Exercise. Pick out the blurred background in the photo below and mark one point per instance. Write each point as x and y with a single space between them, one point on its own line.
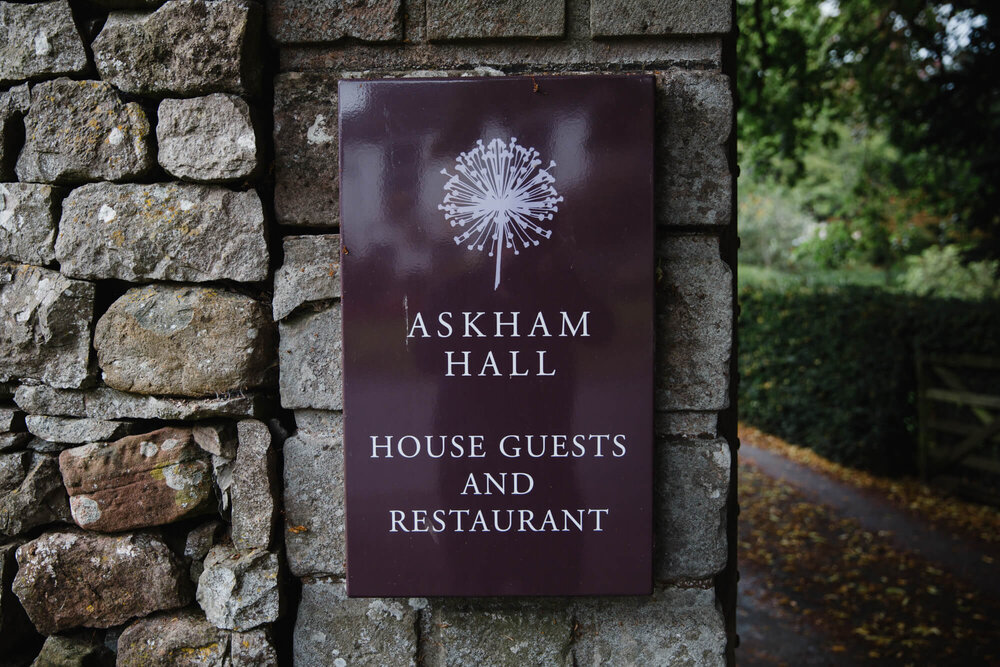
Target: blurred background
869 277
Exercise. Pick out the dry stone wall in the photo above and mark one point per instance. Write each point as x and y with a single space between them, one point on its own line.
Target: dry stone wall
171 404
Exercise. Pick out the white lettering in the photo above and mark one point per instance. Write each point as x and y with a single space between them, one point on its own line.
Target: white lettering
490 363
470 326
580 324
512 324
416 446
503 447
458 514
597 526
446 323
376 446
540 324
496 521
464 364
518 489
480 520
418 322
541 365
513 365
527 516
619 441
471 482
567 517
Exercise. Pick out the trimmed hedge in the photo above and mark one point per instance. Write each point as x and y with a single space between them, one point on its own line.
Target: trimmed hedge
834 368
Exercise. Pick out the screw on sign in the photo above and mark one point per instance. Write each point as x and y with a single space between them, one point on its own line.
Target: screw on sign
501 194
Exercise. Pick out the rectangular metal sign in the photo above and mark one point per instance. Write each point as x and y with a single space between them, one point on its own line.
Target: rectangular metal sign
498 335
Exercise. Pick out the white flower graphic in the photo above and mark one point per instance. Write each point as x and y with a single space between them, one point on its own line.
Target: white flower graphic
498 196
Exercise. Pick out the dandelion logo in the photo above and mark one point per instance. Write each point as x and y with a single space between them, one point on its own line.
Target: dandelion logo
498 196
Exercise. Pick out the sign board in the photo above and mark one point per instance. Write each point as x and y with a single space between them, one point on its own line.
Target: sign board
498 335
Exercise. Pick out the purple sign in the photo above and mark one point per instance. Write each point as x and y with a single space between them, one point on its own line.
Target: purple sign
498 335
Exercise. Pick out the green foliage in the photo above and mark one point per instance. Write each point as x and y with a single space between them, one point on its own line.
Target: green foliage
919 74
770 225
851 188
774 279
782 80
839 244
833 368
832 246
940 271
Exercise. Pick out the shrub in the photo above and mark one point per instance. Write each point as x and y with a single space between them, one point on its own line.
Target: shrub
940 271
771 224
834 368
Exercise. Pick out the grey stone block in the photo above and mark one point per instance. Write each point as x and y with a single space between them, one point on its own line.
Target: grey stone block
11 419
252 649
504 633
39 399
542 55
693 123
311 359
80 131
219 438
80 651
687 425
314 494
14 623
185 341
75 578
107 403
45 321
318 21
46 447
31 492
255 487
672 627
170 231
179 638
197 544
691 491
28 221
184 48
39 40
694 325
9 441
311 272
239 590
320 424
476 19
77 431
199 540
14 103
13 468
128 4
332 629
184 638
208 139
306 183
618 18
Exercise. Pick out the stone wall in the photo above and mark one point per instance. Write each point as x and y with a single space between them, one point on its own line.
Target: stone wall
171 425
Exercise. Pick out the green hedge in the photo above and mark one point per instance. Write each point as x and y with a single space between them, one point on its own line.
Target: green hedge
833 368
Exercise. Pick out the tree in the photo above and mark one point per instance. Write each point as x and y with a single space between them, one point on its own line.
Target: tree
922 72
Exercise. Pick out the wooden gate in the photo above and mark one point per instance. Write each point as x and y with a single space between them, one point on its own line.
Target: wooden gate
958 403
